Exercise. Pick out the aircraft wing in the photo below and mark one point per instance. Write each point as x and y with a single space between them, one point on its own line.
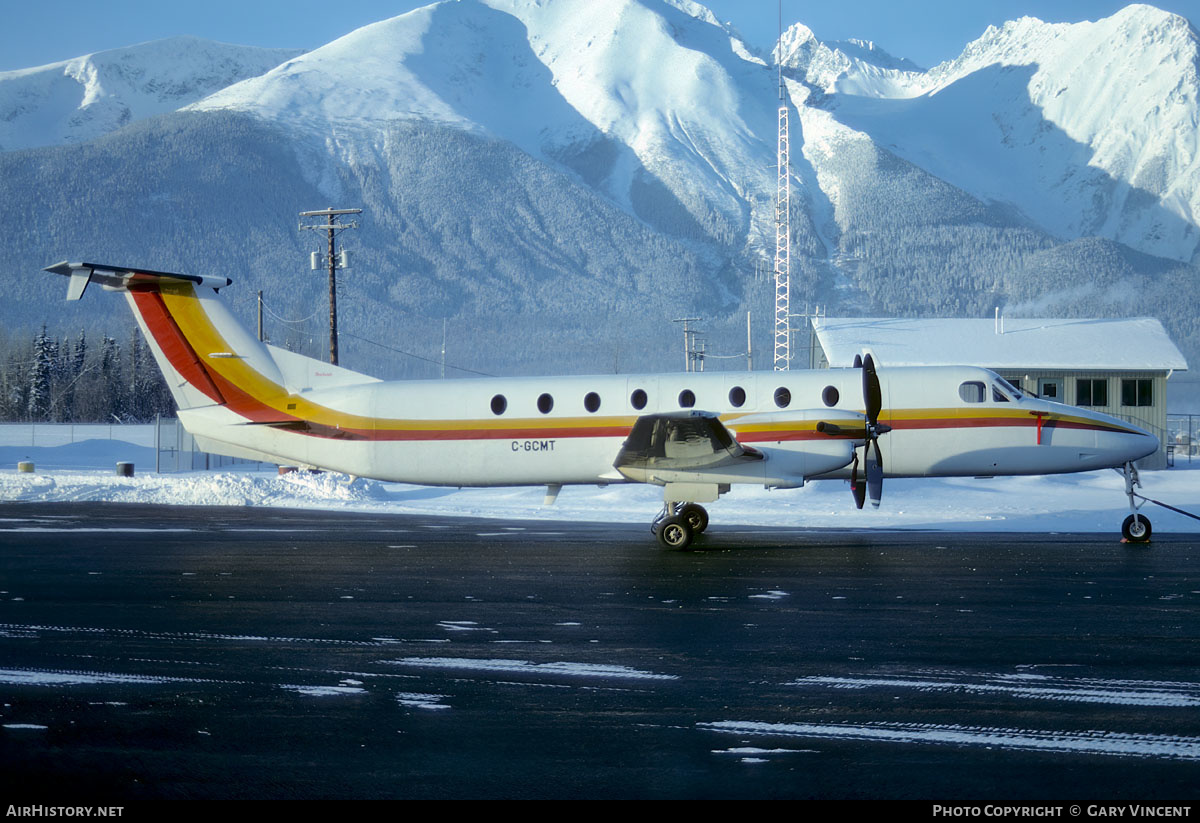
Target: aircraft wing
696 457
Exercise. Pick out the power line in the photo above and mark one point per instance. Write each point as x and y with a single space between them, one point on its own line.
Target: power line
267 309
417 356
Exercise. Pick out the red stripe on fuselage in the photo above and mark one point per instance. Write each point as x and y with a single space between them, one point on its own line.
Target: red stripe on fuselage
803 434
474 434
411 435
248 406
998 422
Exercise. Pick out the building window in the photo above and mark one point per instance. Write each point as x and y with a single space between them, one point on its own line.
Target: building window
1091 392
1137 391
1051 388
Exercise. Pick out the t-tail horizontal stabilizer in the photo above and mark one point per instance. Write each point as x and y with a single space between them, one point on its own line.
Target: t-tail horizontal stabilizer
121 277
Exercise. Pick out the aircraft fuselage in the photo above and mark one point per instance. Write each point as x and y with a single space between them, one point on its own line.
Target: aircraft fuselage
568 430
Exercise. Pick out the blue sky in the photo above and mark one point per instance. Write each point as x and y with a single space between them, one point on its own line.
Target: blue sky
925 31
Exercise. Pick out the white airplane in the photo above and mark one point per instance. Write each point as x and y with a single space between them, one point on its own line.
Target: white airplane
694 434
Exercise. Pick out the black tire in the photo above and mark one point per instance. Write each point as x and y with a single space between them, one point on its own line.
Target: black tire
675 533
1136 530
696 517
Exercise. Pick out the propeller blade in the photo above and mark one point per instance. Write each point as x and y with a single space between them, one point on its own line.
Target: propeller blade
858 361
857 489
872 394
874 473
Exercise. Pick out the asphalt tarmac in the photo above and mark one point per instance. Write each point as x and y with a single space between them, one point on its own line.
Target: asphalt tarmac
158 652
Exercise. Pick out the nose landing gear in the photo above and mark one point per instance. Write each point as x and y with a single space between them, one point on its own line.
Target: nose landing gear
1136 528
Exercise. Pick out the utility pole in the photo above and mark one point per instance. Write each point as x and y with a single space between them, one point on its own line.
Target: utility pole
332 227
749 346
689 336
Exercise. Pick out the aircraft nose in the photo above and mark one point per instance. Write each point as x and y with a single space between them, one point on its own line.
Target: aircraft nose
1144 444
1136 442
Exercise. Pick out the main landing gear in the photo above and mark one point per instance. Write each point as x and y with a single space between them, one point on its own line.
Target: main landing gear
1136 528
677 523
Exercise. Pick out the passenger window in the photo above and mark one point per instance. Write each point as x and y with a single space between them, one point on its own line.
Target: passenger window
591 401
545 403
783 397
830 396
972 391
737 397
687 399
638 399
499 404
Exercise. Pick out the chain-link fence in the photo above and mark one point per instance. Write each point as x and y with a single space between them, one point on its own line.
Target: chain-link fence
164 443
1182 433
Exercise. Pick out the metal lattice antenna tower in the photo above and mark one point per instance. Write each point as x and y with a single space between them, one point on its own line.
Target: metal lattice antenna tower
783 196
783 280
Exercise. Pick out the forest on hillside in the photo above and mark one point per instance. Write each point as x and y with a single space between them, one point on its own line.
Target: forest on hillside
51 380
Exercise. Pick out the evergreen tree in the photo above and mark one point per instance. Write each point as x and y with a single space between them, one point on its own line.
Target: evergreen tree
148 394
38 398
114 399
71 371
12 389
79 356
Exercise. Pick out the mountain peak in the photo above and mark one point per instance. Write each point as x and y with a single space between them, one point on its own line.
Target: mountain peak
846 66
1088 128
88 96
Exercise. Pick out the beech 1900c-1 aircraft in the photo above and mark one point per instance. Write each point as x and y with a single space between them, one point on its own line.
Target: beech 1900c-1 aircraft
693 434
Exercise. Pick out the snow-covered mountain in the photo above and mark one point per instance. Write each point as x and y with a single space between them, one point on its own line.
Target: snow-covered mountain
850 67
526 162
1087 129
1082 130
86 97
646 101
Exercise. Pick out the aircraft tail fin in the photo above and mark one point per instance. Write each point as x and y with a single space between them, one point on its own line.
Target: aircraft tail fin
207 357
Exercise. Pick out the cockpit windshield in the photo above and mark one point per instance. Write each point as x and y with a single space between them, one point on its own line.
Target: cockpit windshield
976 391
1011 390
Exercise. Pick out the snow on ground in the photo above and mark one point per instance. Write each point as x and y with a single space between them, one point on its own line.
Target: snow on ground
1089 502
527 667
1090 741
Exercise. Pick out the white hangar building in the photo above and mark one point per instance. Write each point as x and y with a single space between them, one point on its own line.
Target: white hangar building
1119 367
